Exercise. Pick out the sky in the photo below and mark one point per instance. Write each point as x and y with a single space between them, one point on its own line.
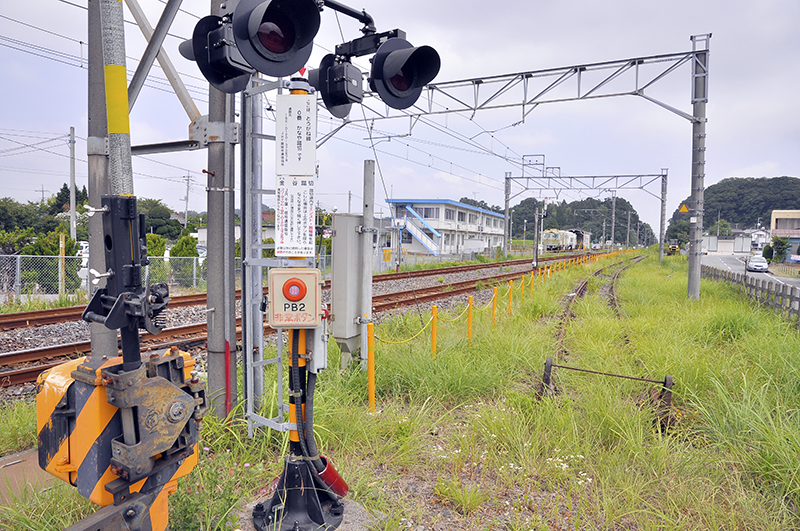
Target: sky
753 111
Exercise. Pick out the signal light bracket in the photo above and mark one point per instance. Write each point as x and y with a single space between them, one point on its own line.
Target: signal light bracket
368 44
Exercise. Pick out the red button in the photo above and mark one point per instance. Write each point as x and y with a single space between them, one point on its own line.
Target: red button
294 289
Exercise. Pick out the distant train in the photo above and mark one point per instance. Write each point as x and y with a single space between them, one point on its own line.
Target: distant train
566 240
559 240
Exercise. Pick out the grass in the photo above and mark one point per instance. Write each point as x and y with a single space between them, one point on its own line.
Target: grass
33 302
463 441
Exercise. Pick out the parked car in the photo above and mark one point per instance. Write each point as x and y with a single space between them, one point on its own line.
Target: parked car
758 263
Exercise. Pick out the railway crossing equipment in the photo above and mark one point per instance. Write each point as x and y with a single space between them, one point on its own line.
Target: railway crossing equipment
275 37
123 429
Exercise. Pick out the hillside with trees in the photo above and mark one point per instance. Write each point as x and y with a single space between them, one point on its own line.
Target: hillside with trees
739 202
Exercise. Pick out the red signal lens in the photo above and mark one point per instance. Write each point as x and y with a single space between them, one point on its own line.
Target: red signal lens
276 32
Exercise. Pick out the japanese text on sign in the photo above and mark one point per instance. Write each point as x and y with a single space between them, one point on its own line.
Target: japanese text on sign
296 134
294 217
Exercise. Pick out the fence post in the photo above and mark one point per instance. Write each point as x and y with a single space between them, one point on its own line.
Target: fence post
469 320
371 366
18 279
433 331
194 272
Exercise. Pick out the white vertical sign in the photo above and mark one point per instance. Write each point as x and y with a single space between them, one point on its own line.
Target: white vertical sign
296 163
296 134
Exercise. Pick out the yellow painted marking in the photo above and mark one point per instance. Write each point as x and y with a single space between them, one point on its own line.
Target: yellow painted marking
117 100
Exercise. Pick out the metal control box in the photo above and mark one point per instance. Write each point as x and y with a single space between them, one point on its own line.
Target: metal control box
295 298
347 245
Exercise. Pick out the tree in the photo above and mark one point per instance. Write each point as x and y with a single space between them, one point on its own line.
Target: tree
155 245
45 274
767 252
724 229
481 204
13 241
679 230
157 219
779 246
182 268
60 202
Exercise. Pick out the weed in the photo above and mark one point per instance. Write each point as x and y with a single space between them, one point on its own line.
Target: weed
464 498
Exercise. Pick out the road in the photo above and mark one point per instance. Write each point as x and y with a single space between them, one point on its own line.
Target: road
735 264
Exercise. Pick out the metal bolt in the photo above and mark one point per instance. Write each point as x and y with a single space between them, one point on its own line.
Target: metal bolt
131 513
130 383
176 411
139 469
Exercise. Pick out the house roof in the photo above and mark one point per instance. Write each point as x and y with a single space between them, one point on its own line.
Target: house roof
443 202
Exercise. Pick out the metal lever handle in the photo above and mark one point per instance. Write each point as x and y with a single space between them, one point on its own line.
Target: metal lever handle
97 275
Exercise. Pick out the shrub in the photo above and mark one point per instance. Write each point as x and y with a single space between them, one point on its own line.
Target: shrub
182 269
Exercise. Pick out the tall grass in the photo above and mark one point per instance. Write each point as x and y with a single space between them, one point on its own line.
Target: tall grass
463 440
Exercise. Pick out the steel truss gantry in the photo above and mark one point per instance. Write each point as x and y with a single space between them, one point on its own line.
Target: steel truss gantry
598 183
527 90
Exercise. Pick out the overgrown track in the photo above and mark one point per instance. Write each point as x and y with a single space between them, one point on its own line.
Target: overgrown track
10 321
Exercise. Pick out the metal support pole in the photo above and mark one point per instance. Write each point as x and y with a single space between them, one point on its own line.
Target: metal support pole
366 256
536 238
116 89
628 232
663 229
699 100
104 340
221 391
72 220
506 223
613 216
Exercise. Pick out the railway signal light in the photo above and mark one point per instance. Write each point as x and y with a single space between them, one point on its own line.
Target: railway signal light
400 71
274 37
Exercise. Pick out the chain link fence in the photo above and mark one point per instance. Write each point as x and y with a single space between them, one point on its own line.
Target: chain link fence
25 277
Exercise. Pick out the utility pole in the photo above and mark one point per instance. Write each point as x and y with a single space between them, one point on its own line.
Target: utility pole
186 203
43 191
628 232
613 215
72 220
349 200
699 100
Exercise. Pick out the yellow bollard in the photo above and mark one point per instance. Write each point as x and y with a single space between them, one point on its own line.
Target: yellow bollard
510 294
469 320
371 366
522 289
433 332
531 284
494 306
539 276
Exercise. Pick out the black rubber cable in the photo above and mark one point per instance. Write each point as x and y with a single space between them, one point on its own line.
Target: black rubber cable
309 422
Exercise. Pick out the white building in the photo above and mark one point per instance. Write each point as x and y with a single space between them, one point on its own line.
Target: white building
442 226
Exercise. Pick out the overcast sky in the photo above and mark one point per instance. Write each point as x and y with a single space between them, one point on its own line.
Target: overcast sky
753 111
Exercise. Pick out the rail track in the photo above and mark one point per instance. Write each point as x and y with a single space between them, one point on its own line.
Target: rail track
24 366
15 320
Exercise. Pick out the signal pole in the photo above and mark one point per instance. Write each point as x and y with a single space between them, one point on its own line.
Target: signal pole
221 317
